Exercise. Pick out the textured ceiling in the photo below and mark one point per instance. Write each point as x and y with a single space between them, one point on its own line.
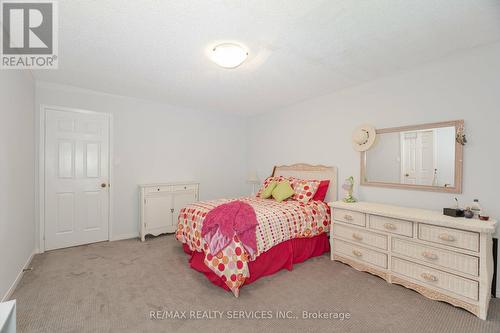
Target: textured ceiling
298 49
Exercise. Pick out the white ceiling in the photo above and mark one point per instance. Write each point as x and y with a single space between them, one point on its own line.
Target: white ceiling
156 49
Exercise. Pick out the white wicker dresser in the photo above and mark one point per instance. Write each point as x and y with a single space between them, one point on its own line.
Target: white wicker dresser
443 258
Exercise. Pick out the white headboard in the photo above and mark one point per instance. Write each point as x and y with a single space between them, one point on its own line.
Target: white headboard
307 171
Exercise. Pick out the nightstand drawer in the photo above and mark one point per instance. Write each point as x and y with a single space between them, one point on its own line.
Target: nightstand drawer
157 189
348 216
360 253
360 236
436 278
394 226
453 237
184 187
447 259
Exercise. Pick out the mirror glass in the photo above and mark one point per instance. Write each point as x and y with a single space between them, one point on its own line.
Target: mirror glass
414 156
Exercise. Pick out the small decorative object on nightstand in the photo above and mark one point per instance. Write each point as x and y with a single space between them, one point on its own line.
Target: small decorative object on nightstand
455 211
484 217
476 208
468 213
348 188
161 203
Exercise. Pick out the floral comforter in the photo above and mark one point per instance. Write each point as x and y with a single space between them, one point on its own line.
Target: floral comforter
277 222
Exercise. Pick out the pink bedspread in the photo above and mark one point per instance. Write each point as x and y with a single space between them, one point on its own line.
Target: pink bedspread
276 223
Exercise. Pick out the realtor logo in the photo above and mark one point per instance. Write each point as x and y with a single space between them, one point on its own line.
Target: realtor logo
29 37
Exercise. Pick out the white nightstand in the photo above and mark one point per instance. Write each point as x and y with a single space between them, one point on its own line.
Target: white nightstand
161 203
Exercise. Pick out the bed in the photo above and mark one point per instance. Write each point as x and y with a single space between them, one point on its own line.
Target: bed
287 233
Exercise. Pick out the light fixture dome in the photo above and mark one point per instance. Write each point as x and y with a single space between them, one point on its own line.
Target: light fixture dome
229 55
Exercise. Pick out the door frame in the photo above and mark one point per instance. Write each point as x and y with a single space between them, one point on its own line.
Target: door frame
41 169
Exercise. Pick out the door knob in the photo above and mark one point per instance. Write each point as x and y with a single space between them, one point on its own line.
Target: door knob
103 185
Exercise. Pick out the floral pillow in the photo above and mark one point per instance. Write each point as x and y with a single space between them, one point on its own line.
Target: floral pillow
304 189
267 182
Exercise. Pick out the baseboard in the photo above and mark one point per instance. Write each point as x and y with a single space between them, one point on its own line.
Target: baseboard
124 236
19 277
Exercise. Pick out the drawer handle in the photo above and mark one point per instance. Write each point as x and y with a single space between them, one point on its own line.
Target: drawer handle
429 255
357 253
348 217
429 277
357 237
390 226
446 237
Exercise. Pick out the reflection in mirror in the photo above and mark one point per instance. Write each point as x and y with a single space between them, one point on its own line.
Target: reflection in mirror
425 157
415 156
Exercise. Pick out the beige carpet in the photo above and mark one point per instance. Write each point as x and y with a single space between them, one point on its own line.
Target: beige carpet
112 287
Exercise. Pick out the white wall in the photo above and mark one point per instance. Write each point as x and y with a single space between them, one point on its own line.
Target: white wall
160 143
465 86
17 170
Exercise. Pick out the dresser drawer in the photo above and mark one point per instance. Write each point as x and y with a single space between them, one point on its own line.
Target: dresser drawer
184 187
453 237
360 236
360 253
157 189
395 226
446 259
436 278
348 216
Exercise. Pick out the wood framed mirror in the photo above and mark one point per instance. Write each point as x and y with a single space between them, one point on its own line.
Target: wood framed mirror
425 157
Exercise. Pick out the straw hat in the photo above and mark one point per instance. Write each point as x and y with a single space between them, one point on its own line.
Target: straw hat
363 137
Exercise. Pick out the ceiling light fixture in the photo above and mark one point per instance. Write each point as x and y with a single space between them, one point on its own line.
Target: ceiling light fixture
229 55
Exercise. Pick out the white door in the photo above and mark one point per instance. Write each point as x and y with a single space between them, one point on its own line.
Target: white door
76 178
409 158
417 166
426 157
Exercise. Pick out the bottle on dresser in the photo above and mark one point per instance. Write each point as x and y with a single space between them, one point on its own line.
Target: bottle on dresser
476 208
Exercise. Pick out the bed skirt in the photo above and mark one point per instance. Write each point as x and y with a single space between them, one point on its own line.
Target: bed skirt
281 256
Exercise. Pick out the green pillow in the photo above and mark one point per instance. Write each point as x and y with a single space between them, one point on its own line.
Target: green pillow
268 191
283 191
